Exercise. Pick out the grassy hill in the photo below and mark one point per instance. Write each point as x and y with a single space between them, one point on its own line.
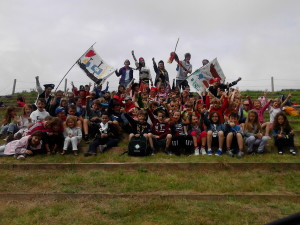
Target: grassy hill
161 189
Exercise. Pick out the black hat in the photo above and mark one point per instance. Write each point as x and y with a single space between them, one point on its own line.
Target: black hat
81 88
49 86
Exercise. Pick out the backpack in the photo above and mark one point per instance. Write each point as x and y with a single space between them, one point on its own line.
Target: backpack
138 146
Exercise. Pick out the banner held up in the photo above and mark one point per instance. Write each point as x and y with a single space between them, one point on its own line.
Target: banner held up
94 66
202 77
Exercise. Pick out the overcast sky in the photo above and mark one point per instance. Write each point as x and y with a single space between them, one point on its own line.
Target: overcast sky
252 39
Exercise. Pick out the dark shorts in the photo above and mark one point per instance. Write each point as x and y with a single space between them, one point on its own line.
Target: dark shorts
159 143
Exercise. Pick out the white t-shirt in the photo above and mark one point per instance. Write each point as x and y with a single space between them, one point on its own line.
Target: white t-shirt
273 112
38 116
127 75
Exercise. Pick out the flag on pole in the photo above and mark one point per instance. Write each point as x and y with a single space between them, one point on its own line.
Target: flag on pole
94 66
202 77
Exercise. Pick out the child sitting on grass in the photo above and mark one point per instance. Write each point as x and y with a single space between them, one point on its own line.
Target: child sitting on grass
25 146
107 136
140 127
10 122
53 137
196 130
181 141
234 137
90 125
40 113
72 134
257 106
161 132
25 120
253 133
215 134
283 134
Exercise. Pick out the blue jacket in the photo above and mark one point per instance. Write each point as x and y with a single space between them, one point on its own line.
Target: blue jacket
122 73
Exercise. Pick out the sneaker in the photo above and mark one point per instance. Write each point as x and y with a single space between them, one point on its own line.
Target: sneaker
86 138
196 151
219 152
101 148
209 152
21 157
230 153
203 152
240 154
152 151
292 151
280 152
89 154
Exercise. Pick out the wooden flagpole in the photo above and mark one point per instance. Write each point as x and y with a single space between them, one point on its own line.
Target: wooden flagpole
73 66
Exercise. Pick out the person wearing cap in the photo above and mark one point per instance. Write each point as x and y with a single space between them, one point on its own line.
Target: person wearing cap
60 113
144 72
126 73
182 71
162 75
45 94
243 112
218 85
82 92
129 105
205 61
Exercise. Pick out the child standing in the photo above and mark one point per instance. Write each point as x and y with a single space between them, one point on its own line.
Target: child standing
72 134
283 134
253 134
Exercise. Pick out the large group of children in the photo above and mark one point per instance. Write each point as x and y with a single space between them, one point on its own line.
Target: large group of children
169 117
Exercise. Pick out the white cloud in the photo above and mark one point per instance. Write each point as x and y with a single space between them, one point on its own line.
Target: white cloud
252 39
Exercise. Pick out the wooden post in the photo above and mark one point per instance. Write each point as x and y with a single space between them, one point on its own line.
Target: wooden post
272 84
14 86
66 83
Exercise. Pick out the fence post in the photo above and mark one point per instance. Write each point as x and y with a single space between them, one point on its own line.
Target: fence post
272 84
66 83
14 86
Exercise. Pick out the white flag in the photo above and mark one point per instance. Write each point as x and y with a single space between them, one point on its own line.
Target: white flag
202 77
94 66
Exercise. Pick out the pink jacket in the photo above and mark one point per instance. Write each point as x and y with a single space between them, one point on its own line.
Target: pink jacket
260 111
19 146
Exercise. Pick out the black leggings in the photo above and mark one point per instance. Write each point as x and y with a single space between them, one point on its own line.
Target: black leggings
287 141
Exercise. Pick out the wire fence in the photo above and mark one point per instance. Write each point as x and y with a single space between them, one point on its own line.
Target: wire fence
245 84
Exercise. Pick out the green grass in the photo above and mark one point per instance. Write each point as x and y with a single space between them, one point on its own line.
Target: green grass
141 181
160 157
155 210
144 211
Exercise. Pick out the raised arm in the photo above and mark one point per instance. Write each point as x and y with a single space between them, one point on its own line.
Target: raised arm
38 85
286 100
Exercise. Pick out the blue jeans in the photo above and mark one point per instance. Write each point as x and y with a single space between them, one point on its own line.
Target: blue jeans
11 128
